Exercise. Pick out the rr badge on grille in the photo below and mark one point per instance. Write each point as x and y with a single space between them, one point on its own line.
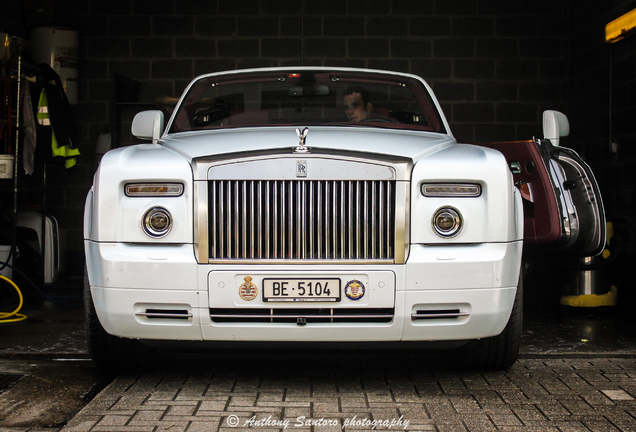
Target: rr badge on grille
301 168
354 290
248 291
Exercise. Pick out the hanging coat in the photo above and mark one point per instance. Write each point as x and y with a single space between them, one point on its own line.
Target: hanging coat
30 134
55 110
44 119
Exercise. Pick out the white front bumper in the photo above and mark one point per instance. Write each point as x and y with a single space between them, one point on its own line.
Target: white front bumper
479 281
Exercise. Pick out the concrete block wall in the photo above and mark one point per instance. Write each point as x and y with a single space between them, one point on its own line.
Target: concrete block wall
494 65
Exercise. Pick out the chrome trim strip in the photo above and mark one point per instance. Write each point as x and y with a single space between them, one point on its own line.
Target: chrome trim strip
383 223
300 316
417 316
402 216
166 315
267 261
201 238
395 168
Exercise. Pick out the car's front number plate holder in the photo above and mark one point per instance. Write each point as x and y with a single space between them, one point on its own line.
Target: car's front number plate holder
301 289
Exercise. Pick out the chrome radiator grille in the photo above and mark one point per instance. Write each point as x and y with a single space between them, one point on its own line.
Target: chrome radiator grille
301 220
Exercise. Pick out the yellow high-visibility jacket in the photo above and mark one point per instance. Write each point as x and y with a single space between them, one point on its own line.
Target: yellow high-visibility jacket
58 151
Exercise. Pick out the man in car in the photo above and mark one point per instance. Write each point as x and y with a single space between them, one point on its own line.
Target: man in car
356 104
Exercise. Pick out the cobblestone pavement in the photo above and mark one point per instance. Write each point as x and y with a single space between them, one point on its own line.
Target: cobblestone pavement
350 391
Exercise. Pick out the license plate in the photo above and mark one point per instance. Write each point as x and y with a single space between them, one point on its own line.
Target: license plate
301 289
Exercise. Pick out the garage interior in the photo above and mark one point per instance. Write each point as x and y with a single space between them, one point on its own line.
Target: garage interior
495 66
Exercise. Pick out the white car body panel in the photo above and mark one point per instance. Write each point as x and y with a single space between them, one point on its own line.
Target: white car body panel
475 272
480 280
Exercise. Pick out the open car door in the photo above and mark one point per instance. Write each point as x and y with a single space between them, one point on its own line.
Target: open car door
563 208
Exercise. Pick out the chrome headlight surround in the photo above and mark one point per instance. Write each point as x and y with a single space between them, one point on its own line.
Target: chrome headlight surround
447 222
157 222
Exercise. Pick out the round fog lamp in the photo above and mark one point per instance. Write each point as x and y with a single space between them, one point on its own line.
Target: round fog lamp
447 222
157 222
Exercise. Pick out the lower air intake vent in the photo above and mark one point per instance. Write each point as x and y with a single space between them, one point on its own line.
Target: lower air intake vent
437 314
302 316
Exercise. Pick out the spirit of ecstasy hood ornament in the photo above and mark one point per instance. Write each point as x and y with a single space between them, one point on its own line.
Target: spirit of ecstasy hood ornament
302 135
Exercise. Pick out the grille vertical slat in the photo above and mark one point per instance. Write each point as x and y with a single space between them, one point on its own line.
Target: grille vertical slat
220 216
291 238
319 206
267 213
311 220
358 218
343 227
244 220
298 215
303 231
283 220
301 220
374 224
252 219
351 210
382 223
228 203
213 222
275 217
334 219
389 217
260 219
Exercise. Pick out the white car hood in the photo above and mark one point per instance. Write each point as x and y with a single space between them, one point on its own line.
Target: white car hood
402 143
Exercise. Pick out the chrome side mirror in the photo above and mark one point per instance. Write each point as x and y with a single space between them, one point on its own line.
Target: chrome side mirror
555 126
148 125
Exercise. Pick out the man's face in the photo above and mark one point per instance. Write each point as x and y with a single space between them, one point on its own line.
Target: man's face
355 109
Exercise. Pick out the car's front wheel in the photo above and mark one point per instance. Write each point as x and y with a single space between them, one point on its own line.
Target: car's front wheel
502 351
108 351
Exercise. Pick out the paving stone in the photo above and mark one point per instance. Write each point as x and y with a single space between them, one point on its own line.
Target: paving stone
147 415
552 395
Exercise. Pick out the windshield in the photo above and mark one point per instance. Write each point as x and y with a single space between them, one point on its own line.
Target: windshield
276 98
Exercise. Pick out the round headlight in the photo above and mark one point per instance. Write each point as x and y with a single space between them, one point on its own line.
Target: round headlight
157 222
447 222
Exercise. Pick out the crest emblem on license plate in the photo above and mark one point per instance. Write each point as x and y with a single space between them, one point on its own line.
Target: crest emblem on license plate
354 290
248 291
